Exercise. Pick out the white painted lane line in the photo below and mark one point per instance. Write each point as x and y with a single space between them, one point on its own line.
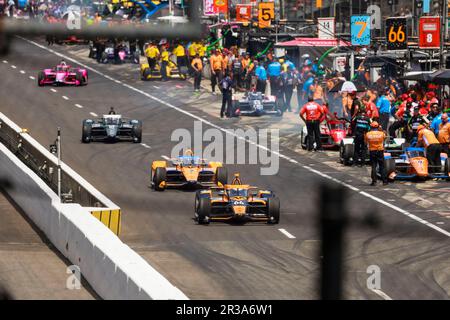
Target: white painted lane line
406 213
78 106
165 157
32 78
53 90
4 61
22 72
287 234
65 97
14 67
232 133
93 114
381 294
155 87
145 146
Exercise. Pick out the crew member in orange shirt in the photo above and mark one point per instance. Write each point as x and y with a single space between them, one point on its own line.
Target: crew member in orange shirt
225 60
375 141
444 133
197 65
427 139
216 69
314 114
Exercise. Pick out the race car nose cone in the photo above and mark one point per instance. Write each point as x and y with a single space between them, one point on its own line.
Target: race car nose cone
60 77
111 131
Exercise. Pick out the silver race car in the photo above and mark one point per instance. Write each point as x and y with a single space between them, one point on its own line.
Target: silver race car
256 104
111 128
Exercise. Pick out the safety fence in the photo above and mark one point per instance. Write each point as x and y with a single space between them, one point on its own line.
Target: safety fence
111 267
74 189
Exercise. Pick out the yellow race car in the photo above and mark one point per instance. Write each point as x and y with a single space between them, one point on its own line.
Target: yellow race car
187 171
236 202
172 71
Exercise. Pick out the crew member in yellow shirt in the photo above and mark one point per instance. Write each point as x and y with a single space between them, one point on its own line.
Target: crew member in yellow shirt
180 53
202 49
192 49
164 62
152 54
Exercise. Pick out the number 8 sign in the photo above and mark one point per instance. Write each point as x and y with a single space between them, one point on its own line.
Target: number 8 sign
430 32
360 30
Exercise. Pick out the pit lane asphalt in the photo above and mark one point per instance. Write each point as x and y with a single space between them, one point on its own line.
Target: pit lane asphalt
220 261
30 266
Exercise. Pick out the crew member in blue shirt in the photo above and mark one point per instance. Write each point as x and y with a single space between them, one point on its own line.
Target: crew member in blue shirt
274 72
384 109
261 78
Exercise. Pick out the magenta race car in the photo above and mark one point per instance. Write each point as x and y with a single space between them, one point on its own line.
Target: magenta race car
63 74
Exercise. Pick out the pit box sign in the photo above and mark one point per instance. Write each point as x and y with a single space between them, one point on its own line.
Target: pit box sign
243 12
396 34
360 30
214 7
429 32
208 8
326 28
221 6
266 13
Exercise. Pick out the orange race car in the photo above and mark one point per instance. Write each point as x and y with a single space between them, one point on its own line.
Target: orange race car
413 165
187 171
236 202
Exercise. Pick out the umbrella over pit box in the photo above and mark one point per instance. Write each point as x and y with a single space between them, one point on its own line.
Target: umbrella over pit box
347 86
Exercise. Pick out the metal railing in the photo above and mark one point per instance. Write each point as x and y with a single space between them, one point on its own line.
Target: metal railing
46 168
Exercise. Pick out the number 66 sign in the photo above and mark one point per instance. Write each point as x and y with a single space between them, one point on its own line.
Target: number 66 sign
360 30
430 32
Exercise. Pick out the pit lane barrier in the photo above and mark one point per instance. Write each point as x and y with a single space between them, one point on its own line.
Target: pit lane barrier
111 267
74 189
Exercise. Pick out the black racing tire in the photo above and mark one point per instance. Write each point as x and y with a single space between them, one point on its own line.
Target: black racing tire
304 145
41 77
234 107
85 78
137 132
104 58
273 210
136 58
79 78
280 112
159 176
203 210
341 153
347 153
146 74
86 133
389 166
447 167
222 175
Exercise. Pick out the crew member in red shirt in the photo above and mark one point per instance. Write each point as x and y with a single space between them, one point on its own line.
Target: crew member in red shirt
371 108
314 113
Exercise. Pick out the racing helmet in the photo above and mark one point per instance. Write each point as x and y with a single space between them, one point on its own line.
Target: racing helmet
305 56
